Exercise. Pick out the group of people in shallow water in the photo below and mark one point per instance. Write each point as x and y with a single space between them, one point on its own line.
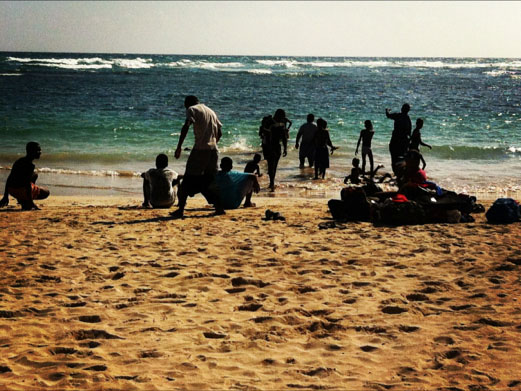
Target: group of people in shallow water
224 188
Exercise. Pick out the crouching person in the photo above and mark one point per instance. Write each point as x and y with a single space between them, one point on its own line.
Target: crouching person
159 184
21 182
233 186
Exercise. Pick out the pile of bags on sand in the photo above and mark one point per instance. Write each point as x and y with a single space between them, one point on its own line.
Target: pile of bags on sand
419 205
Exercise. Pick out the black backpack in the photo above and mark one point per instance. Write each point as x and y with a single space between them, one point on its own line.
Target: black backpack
504 211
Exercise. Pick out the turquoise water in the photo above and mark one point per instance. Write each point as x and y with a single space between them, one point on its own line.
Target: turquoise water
107 115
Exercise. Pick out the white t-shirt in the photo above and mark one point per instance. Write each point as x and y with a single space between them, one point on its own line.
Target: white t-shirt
161 191
206 126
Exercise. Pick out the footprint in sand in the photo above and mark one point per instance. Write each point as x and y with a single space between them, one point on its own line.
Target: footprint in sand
408 329
393 310
368 348
90 319
98 368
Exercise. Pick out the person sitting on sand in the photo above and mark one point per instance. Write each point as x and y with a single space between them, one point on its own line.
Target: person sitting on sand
354 177
366 135
322 142
21 182
307 147
252 167
233 186
158 184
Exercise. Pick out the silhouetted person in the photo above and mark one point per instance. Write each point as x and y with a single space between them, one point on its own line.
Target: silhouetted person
233 186
21 182
416 137
366 136
252 167
356 171
399 143
322 142
158 184
201 165
265 134
278 132
307 147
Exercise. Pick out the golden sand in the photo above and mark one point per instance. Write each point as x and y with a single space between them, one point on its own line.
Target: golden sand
102 296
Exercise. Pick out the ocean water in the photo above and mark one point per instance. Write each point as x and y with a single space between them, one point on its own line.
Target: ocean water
102 118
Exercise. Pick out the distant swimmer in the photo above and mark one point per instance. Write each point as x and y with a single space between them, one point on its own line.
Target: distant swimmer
201 165
366 136
399 143
306 147
21 182
159 184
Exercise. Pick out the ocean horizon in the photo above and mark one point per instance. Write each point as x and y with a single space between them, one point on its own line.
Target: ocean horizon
102 118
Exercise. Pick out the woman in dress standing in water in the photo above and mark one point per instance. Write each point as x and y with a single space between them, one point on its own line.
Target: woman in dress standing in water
278 131
322 142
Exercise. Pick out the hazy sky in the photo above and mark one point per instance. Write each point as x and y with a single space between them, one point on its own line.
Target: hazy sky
391 28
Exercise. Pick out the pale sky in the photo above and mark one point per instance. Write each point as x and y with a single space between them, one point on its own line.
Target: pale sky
313 28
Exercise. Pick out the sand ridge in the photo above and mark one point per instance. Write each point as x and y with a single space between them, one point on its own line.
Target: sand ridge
102 296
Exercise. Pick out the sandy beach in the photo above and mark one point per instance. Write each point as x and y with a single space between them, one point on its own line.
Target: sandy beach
98 295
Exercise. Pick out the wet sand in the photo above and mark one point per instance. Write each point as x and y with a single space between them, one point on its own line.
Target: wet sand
100 295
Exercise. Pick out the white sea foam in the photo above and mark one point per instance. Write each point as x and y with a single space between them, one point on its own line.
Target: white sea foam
392 64
241 145
136 63
284 63
203 64
260 71
10 74
111 173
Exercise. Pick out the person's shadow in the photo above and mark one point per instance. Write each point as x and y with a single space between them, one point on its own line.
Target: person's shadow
158 219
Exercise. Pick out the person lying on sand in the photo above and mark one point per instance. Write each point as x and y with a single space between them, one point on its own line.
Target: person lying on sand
21 182
158 184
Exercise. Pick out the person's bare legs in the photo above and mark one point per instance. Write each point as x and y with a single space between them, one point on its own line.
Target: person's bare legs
146 194
371 162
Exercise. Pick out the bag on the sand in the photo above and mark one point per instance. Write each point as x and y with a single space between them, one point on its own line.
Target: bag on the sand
503 211
354 205
402 213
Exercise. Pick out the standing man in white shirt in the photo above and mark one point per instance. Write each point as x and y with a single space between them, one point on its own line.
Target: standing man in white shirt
201 165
